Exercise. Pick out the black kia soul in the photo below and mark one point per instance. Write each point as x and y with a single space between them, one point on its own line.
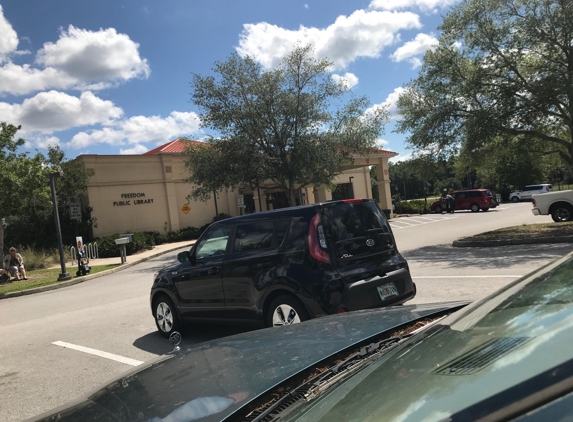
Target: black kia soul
285 266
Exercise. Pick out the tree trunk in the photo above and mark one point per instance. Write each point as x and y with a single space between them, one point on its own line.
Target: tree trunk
1 242
291 195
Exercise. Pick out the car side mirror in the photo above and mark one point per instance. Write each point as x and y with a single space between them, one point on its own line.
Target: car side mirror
183 256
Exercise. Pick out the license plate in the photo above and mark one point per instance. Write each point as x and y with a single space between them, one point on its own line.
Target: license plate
387 290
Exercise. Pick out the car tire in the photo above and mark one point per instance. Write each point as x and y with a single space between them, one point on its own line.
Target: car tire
562 213
485 209
165 315
438 209
515 199
286 310
474 207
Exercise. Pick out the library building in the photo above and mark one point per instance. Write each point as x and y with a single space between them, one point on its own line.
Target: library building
134 193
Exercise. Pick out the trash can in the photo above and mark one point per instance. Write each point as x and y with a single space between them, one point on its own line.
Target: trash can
387 214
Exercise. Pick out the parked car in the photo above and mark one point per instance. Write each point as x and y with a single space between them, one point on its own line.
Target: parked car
530 190
285 266
507 357
557 204
470 199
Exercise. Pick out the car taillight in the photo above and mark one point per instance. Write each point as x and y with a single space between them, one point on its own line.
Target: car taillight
346 201
533 202
316 240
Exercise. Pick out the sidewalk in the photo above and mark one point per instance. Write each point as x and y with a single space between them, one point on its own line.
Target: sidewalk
131 261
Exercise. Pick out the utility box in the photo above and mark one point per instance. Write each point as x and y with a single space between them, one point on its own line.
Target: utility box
128 236
123 240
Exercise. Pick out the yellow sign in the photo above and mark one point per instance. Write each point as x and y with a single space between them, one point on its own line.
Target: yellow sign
186 208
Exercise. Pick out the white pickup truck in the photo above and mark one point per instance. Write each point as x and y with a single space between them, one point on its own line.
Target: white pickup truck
558 204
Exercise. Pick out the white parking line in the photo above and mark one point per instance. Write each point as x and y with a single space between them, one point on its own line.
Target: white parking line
99 353
395 225
469 276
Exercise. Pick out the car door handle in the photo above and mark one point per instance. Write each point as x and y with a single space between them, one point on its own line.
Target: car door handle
213 271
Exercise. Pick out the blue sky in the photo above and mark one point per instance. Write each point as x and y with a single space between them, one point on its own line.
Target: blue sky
113 77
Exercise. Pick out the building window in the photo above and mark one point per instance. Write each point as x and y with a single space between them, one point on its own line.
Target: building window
342 191
167 169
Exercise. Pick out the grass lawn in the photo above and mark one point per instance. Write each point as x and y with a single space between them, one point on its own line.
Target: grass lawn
526 231
40 278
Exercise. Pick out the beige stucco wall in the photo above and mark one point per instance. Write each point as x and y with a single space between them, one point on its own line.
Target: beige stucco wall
130 193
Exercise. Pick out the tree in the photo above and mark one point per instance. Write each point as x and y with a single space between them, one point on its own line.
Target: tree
502 69
25 198
280 124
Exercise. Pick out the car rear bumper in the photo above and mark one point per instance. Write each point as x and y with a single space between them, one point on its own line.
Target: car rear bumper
536 211
364 294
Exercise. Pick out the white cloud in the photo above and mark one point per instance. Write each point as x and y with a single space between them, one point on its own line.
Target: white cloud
400 158
52 111
361 34
90 56
417 46
390 103
80 59
8 37
137 150
424 5
45 142
306 6
348 79
139 129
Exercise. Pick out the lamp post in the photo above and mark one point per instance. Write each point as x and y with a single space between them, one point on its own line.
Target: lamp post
351 186
64 275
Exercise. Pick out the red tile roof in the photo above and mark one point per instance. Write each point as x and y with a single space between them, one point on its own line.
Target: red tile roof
178 146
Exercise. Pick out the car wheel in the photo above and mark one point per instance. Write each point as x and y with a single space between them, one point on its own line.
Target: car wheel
562 213
165 315
474 207
285 310
515 199
438 209
485 209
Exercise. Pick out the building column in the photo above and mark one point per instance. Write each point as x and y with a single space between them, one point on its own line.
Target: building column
170 193
367 182
322 194
384 184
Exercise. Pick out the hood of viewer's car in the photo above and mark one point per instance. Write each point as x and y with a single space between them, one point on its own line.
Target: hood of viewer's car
212 380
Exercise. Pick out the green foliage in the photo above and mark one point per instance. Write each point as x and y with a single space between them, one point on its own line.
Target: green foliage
280 125
25 195
37 259
416 206
502 70
145 240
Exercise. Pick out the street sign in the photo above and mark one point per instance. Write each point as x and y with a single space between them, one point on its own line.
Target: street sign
186 208
76 211
241 200
303 194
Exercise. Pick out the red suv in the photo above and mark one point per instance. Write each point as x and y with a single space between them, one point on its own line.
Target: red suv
471 199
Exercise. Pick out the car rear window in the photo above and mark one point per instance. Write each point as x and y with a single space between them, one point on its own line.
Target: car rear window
488 193
356 228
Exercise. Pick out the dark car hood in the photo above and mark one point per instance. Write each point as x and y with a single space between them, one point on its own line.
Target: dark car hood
212 380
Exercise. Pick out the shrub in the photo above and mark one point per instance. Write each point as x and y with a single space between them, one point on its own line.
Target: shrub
39 259
411 207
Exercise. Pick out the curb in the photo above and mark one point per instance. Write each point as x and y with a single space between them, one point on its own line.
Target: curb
79 280
532 241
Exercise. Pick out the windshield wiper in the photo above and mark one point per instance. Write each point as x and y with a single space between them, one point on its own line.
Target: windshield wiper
319 384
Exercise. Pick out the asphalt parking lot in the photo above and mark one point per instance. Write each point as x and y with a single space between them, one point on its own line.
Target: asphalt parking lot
59 345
